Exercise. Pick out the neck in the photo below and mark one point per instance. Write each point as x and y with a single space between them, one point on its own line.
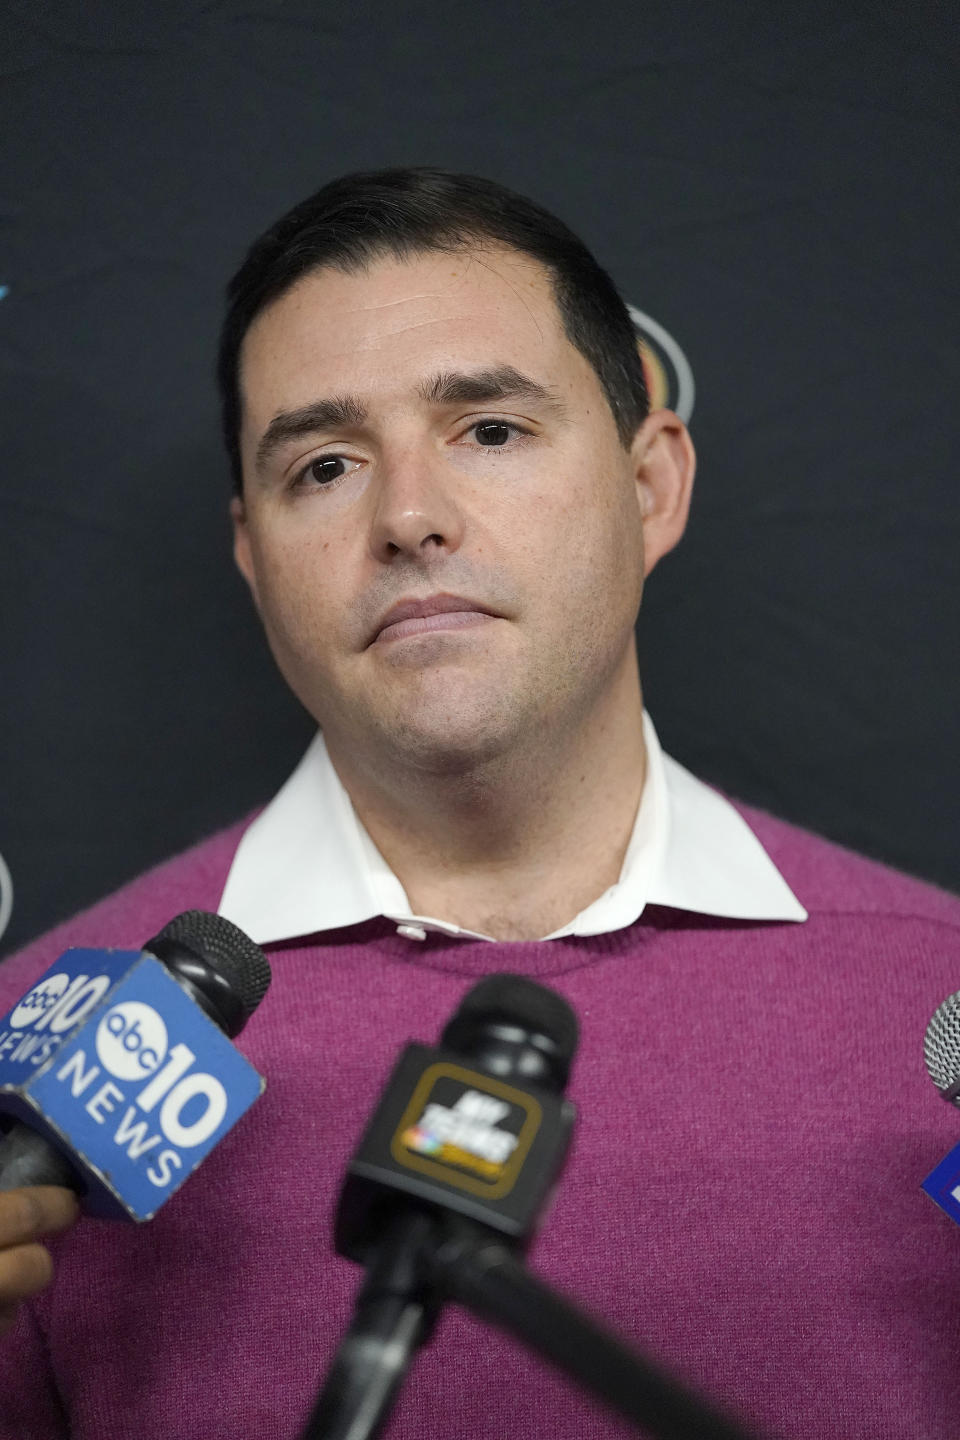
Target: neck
517 845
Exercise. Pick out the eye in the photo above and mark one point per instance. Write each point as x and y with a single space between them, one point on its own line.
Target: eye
495 432
325 471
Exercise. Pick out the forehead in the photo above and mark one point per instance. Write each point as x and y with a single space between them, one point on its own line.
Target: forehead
381 331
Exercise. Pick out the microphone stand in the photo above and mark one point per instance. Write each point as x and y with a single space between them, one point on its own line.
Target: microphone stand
479 1271
427 1259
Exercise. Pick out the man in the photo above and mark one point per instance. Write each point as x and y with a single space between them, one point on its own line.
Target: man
449 496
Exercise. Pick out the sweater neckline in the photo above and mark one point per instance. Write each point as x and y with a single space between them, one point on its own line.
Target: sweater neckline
474 958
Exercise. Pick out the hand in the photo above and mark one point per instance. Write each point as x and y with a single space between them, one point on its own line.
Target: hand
26 1267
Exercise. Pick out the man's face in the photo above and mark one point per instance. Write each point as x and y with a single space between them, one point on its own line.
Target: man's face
423 435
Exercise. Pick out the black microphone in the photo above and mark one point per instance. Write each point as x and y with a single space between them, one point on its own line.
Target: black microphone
476 1126
445 1190
95 1033
474 1129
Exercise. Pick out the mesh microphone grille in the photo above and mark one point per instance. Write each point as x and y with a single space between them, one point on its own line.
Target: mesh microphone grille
941 1045
227 947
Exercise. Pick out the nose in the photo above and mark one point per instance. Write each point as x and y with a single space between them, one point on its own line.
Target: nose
416 511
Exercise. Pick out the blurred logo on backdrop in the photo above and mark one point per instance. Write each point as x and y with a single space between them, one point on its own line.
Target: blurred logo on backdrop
667 369
6 896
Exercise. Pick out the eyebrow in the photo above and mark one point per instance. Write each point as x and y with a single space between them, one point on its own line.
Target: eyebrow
450 387
499 382
338 413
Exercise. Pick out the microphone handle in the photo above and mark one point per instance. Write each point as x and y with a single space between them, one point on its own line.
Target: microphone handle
26 1158
393 1316
479 1272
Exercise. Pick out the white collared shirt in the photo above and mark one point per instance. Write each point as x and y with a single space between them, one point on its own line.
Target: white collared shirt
307 864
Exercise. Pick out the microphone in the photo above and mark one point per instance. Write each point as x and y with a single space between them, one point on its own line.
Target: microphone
477 1126
941 1048
941 1053
474 1129
446 1188
116 1069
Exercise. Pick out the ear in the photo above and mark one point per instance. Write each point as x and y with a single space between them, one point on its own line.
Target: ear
664 462
242 550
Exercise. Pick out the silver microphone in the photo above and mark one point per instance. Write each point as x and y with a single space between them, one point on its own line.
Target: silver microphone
941 1048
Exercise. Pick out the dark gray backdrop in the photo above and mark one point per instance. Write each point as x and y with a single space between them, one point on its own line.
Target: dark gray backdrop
775 185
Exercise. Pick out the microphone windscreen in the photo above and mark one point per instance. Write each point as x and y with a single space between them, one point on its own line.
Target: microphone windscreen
513 1002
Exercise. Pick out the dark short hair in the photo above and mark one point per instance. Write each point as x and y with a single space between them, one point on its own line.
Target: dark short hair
363 217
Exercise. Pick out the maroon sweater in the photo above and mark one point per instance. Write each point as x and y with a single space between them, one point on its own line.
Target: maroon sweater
743 1201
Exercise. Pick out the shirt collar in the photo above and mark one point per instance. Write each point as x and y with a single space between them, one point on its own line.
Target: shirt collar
307 864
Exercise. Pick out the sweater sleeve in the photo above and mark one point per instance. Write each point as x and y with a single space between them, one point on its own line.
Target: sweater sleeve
30 1404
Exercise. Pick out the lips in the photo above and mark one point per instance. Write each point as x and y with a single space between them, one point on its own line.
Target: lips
393 624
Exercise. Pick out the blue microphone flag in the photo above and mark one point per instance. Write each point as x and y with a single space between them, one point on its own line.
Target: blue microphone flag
943 1184
110 1060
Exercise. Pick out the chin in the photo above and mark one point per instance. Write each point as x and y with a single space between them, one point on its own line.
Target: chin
446 745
